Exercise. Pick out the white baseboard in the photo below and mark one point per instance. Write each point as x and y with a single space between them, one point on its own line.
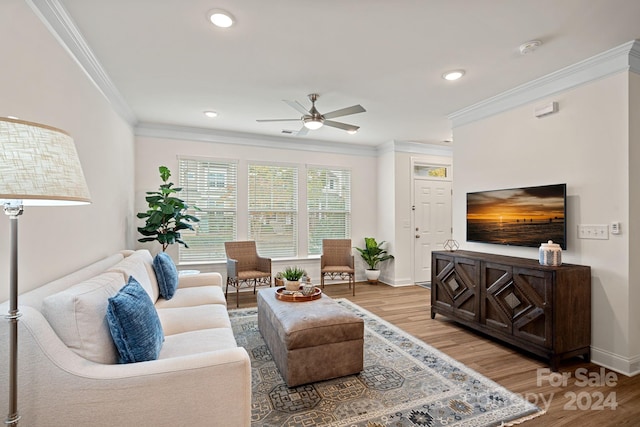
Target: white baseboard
397 282
622 365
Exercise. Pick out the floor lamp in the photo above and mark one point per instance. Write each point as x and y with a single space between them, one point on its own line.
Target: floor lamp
39 166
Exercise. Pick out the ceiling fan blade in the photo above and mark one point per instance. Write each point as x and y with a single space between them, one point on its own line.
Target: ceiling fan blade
296 106
340 125
277 120
303 131
354 109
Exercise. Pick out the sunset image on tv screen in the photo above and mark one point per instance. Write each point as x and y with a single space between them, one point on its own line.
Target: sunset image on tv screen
520 216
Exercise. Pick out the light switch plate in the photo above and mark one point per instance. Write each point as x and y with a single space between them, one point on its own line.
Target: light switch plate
615 227
593 231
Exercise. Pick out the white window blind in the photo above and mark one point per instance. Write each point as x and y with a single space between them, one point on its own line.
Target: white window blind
328 205
211 185
273 209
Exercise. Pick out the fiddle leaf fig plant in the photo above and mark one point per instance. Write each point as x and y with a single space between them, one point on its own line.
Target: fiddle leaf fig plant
372 253
167 214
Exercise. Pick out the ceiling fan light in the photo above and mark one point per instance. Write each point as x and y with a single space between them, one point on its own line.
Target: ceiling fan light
221 18
352 131
313 124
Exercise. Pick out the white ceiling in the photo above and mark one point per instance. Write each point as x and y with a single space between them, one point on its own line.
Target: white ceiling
170 64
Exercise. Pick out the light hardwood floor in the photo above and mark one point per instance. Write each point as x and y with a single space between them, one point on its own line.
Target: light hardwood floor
586 397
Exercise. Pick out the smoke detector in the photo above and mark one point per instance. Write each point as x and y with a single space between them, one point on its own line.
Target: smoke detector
530 46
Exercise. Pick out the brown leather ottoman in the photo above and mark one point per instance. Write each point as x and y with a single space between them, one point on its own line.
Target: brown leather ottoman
310 341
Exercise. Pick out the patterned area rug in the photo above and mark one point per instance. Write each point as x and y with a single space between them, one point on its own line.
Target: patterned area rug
404 383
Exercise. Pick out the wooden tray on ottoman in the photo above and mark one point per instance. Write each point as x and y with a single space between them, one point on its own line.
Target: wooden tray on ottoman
283 295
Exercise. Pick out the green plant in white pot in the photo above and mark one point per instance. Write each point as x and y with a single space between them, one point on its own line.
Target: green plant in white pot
167 214
373 254
292 276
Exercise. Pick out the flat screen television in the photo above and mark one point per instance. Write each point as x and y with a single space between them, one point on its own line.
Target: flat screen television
526 216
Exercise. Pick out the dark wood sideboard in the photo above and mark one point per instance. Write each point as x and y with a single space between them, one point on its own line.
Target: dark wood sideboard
540 309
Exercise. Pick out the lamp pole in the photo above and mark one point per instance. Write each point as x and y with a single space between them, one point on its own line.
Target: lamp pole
13 209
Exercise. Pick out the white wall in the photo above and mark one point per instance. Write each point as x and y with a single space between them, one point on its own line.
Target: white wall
586 145
152 152
403 247
386 226
41 83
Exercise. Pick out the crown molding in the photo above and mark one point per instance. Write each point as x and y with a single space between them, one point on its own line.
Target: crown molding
412 147
59 22
625 57
186 133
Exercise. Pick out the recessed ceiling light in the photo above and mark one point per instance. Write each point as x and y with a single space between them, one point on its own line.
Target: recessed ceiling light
221 18
211 114
453 75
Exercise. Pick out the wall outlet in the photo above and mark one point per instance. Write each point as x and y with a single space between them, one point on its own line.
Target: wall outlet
593 231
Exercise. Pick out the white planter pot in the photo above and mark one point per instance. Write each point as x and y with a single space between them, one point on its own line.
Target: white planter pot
292 285
372 275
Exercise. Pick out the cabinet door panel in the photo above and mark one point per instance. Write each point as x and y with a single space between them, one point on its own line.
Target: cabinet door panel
498 297
516 302
534 321
455 287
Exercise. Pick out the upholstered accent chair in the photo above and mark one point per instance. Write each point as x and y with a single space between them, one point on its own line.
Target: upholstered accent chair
245 266
336 261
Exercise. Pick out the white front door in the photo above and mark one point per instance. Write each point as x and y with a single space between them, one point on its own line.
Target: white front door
432 223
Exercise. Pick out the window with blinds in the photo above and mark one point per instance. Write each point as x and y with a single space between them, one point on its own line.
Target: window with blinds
273 209
328 205
210 185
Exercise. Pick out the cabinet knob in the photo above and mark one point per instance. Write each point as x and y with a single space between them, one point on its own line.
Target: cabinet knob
417 236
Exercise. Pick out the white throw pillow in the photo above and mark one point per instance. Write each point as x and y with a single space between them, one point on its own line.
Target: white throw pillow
140 265
78 316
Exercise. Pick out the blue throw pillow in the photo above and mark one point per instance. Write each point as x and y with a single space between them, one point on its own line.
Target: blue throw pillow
134 324
167 275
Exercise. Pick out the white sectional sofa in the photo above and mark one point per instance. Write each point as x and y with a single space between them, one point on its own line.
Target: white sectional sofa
68 372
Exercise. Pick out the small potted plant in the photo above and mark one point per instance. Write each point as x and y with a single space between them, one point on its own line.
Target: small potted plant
279 278
292 276
373 254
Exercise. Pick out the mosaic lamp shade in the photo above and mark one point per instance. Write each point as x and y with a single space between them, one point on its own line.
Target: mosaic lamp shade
39 165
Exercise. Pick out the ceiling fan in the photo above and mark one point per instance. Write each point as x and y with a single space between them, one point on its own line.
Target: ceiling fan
312 119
